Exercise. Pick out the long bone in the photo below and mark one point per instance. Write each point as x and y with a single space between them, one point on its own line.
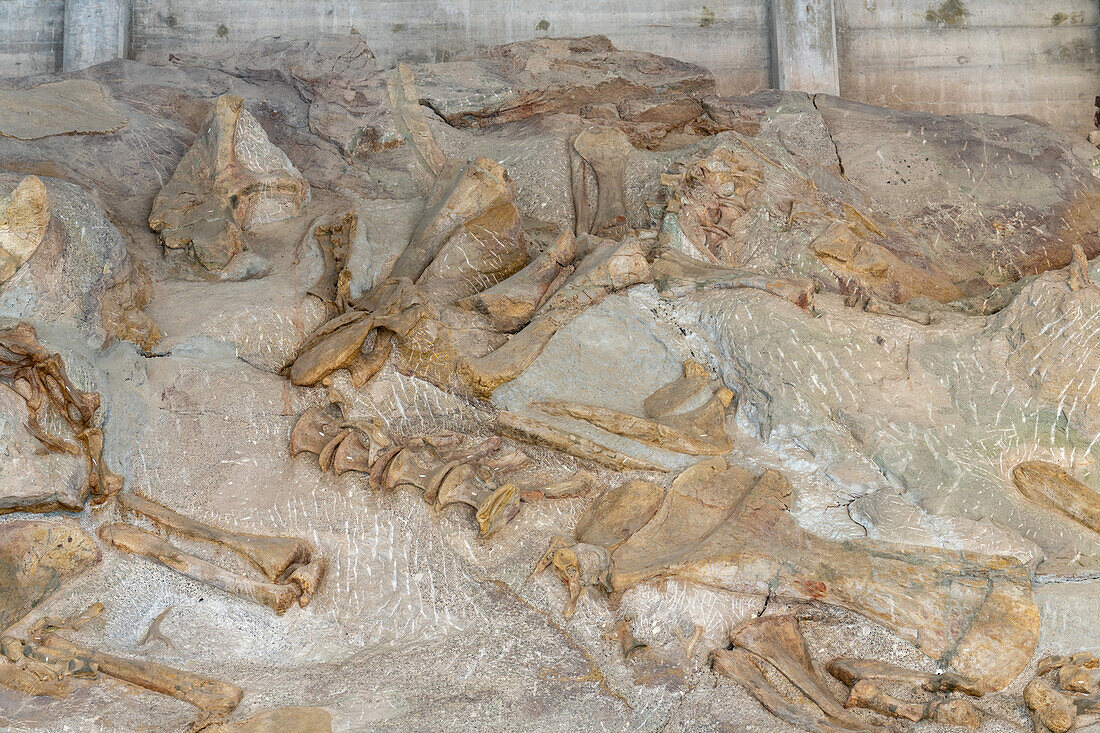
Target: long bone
606 152
865 694
529 430
740 666
850 671
778 640
207 694
273 556
723 527
139 542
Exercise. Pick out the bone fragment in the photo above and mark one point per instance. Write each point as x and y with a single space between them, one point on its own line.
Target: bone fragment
578 484
578 187
510 304
849 671
677 274
739 665
128 539
273 556
30 679
410 121
307 577
208 695
24 217
778 640
1051 486
1049 707
154 633
529 430
462 193
364 366
671 398
335 351
1074 678
1078 269
866 695
606 152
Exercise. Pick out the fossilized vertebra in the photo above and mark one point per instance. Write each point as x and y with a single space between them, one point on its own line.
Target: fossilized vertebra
1050 485
24 217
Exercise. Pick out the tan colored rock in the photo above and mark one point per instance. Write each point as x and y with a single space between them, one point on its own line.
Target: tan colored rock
1051 486
24 216
231 179
37 558
279 720
72 106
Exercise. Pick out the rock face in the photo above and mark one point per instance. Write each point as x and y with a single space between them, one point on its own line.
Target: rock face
36 558
77 106
546 75
230 180
24 216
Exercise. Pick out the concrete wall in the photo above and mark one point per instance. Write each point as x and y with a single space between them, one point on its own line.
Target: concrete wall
1037 57
728 36
30 36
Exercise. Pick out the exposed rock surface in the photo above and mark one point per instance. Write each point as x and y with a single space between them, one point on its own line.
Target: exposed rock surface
36 558
66 107
892 423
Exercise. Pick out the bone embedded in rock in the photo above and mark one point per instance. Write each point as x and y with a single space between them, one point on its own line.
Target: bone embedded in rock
154 633
405 103
739 665
606 151
335 351
462 193
1049 707
1051 486
672 397
1075 678
529 430
618 513
139 542
273 556
24 217
849 671
208 695
511 304
778 640
279 720
60 552
1078 270
866 695
307 577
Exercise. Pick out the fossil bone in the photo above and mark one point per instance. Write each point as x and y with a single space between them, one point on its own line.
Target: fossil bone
283 720
39 376
1048 707
1051 486
865 694
676 274
606 152
128 539
724 527
409 117
778 640
529 430
672 398
1075 678
208 695
154 633
273 556
740 666
850 671
24 216
1078 269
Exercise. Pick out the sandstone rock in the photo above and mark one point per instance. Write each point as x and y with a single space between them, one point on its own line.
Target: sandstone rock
231 179
545 75
73 106
24 216
36 558
283 720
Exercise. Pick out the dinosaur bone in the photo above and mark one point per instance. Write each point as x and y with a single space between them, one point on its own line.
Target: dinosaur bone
208 695
494 505
410 121
273 556
154 633
1048 707
39 376
606 152
1051 486
778 640
1078 275
529 430
672 398
724 527
698 432
24 217
740 666
850 671
128 539
958 712
676 274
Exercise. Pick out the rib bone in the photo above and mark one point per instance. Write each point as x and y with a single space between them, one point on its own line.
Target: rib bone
273 556
128 539
533 431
